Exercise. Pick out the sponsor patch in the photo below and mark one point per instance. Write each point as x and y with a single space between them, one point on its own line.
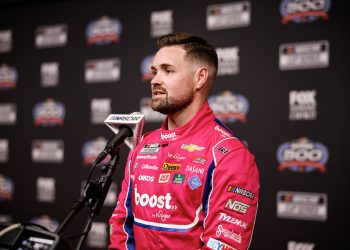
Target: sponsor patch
150 148
171 166
218 245
178 178
223 150
192 147
241 191
194 182
199 159
164 178
236 206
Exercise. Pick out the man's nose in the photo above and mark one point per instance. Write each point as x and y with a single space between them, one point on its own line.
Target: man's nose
156 79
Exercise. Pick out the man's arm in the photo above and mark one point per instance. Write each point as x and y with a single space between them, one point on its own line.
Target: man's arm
232 200
122 220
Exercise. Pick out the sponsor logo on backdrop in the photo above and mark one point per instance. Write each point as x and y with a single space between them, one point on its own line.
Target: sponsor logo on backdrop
45 189
228 61
51 36
228 15
97 236
4 150
8 113
92 148
218 245
302 156
100 109
6 218
102 70
161 23
5 41
228 234
240 191
148 112
6 188
146 71
305 11
8 77
302 105
236 206
105 30
304 55
159 201
49 113
229 107
48 151
50 74
293 245
232 220
47 222
303 206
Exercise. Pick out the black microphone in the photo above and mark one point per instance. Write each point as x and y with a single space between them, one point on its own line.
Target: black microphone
114 142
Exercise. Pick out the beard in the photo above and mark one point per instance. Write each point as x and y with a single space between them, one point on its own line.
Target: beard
169 105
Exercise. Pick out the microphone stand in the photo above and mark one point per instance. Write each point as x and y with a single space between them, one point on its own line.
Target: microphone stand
94 196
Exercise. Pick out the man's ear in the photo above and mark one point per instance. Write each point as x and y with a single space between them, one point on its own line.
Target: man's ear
201 77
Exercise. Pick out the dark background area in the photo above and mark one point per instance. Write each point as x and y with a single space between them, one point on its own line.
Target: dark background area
260 80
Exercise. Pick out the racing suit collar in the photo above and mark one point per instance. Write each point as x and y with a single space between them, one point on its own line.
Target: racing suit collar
202 118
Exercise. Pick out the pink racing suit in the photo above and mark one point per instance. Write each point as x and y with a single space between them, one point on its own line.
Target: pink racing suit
194 187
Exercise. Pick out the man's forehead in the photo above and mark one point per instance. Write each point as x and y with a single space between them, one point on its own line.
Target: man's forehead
169 55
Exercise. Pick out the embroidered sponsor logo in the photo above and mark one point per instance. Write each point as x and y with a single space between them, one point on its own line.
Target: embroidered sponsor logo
178 178
150 148
228 234
171 166
223 150
223 133
164 178
146 157
159 201
218 245
194 169
236 206
241 191
168 136
146 178
199 159
176 156
232 220
194 182
160 214
192 147
150 167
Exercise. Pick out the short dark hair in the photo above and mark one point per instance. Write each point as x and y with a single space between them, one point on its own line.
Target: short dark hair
195 47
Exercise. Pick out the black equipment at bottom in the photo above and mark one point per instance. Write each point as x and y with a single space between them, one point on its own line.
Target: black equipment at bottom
30 237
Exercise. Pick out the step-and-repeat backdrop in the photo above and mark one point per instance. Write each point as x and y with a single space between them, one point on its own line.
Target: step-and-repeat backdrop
282 87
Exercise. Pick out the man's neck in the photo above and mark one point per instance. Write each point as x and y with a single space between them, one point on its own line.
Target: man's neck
183 116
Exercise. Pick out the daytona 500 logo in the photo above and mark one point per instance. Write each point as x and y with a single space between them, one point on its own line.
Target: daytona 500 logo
302 155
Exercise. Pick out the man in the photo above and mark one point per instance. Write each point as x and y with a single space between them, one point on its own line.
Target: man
190 184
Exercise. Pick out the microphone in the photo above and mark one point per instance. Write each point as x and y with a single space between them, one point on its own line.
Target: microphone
125 127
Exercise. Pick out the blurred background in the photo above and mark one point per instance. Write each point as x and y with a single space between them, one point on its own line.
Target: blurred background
282 87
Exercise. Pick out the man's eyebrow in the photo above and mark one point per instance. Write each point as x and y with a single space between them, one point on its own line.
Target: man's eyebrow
162 66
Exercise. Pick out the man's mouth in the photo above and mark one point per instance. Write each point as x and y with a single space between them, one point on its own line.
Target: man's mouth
158 92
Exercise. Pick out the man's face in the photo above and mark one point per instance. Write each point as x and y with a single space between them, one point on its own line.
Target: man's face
173 81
